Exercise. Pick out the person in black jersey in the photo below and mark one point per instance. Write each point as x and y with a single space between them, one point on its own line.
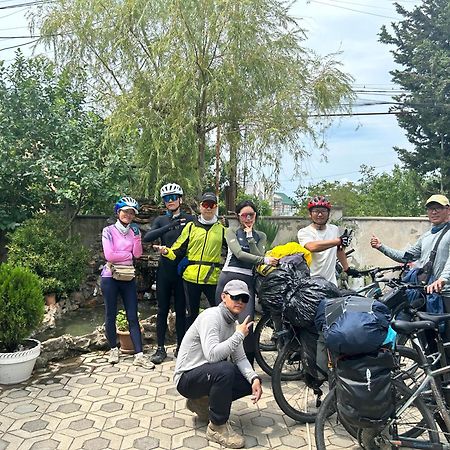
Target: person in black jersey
167 228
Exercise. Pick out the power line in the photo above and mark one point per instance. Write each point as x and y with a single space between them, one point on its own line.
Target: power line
21 5
19 45
354 10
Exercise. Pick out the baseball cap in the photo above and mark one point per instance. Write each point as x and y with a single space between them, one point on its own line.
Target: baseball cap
209 197
438 198
236 287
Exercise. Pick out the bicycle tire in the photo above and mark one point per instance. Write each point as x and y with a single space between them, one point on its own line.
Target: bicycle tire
290 390
265 348
368 438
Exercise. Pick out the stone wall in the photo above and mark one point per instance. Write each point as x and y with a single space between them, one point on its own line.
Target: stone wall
396 232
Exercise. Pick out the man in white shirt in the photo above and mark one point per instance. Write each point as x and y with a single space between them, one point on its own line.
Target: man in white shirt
324 241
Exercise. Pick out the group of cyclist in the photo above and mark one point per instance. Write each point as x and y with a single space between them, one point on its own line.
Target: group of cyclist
191 249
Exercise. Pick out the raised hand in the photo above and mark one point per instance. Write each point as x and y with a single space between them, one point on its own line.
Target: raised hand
245 326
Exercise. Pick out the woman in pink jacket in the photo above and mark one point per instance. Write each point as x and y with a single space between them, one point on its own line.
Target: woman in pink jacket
121 243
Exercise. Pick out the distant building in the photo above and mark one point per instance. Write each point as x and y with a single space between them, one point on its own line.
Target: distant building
282 205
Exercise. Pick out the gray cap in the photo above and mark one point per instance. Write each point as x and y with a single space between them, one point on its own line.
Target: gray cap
209 197
236 287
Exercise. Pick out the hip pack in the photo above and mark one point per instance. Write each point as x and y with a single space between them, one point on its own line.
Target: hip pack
121 272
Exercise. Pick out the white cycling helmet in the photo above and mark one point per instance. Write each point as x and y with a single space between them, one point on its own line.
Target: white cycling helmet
126 203
171 188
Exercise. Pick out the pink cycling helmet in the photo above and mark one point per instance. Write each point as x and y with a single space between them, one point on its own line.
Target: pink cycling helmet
319 200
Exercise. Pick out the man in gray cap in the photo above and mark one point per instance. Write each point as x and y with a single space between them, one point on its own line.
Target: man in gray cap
437 207
212 370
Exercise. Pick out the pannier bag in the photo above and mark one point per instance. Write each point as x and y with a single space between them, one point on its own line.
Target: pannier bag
355 325
121 272
364 393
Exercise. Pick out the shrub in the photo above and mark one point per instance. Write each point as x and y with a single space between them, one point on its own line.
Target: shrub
21 305
42 244
268 227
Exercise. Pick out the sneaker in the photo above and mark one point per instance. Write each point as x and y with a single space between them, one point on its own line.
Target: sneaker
159 356
113 356
199 406
224 435
143 361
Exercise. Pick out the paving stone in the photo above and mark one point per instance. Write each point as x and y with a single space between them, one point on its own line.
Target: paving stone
100 392
81 424
146 443
137 392
3 444
18 394
127 424
153 406
263 421
34 425
96 444
195 442
59 393
47 444
110 369
111 407
172 423
69 408
86 380
25 408
122 380
172 391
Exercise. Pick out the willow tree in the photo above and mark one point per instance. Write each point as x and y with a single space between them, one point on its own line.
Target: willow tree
176 73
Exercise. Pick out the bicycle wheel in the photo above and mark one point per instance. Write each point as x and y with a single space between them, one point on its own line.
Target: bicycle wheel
416 422
295 392
266 344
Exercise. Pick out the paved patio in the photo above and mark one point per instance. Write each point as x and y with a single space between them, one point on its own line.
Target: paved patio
89 404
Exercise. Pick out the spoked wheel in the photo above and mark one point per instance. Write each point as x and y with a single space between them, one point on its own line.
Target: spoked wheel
266 344
296 393
415 422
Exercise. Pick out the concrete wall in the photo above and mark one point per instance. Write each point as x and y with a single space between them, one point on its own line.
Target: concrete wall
396 232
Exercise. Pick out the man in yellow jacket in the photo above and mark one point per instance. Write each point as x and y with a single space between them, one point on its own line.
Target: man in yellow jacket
201 242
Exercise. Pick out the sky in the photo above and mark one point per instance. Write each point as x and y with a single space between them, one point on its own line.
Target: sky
349 27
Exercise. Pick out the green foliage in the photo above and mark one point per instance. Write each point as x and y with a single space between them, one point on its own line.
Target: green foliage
54 152
42 244
122 321
423 53
21 305
268 227
400 193
263 207
178 73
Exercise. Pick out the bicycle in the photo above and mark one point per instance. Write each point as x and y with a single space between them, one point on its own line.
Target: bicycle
266 349
296 391
420 408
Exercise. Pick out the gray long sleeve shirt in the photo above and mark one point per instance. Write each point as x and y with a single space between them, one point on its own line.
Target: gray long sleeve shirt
212 338
421 251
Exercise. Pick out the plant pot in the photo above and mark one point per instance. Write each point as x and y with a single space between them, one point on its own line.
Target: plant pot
17 366
50 299
126 344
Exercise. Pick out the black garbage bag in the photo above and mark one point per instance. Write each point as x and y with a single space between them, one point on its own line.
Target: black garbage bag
274 287
302 302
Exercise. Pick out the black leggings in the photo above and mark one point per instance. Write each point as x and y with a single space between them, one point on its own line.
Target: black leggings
168 282
193 292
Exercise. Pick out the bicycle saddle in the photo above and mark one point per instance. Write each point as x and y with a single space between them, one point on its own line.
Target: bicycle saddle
405 327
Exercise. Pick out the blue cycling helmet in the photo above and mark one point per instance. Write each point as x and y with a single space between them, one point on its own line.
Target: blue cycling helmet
126 203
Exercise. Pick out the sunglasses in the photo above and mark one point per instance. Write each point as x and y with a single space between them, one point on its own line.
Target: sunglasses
170 198
247 216
236 298
209 205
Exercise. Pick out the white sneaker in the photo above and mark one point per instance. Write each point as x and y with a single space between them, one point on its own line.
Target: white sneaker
143 361
113 356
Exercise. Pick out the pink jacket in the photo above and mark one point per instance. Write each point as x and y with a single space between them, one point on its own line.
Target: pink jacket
119 248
